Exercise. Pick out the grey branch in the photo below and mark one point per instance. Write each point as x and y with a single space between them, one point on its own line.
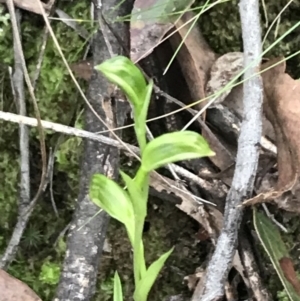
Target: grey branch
247 155
59 128
24 190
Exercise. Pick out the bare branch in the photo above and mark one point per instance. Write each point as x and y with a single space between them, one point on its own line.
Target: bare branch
22 62
251 270
96 137
24 197
247 155
59 128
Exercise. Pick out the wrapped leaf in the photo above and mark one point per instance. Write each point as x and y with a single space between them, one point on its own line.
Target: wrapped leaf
109 196
139 201
122 72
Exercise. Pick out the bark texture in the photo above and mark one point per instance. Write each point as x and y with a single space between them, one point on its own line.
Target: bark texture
247 155
87 232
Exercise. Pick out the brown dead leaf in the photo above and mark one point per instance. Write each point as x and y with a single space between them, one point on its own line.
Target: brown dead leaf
224 69
288 269
83 69
223 158
265 197
32 5
195 57
234 102
150 21
192 280
282 108
202 235
14 289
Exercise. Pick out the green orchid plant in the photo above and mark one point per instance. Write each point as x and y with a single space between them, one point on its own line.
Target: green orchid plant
130 206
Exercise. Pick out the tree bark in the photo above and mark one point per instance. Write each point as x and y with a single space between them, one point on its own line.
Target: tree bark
87 232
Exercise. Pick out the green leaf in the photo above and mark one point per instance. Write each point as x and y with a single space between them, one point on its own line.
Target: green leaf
118 295
143 288
109 196
127 76
173 147
271 240
121 71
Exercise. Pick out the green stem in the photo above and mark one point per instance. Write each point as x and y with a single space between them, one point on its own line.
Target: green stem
140 132
138 254
142 180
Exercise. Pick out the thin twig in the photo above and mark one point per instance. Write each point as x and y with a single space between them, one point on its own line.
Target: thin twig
247 154
50 179
265 143
18 78
41 57
24 196
259 291
272 217
43 47
96 137
18 45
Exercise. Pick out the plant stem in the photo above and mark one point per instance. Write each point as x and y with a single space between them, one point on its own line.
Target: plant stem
140 208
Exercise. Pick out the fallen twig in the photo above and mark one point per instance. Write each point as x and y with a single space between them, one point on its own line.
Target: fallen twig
24 194
96 137
251 270
247 155
18 46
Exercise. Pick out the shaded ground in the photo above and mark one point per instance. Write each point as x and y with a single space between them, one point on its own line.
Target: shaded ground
167 227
